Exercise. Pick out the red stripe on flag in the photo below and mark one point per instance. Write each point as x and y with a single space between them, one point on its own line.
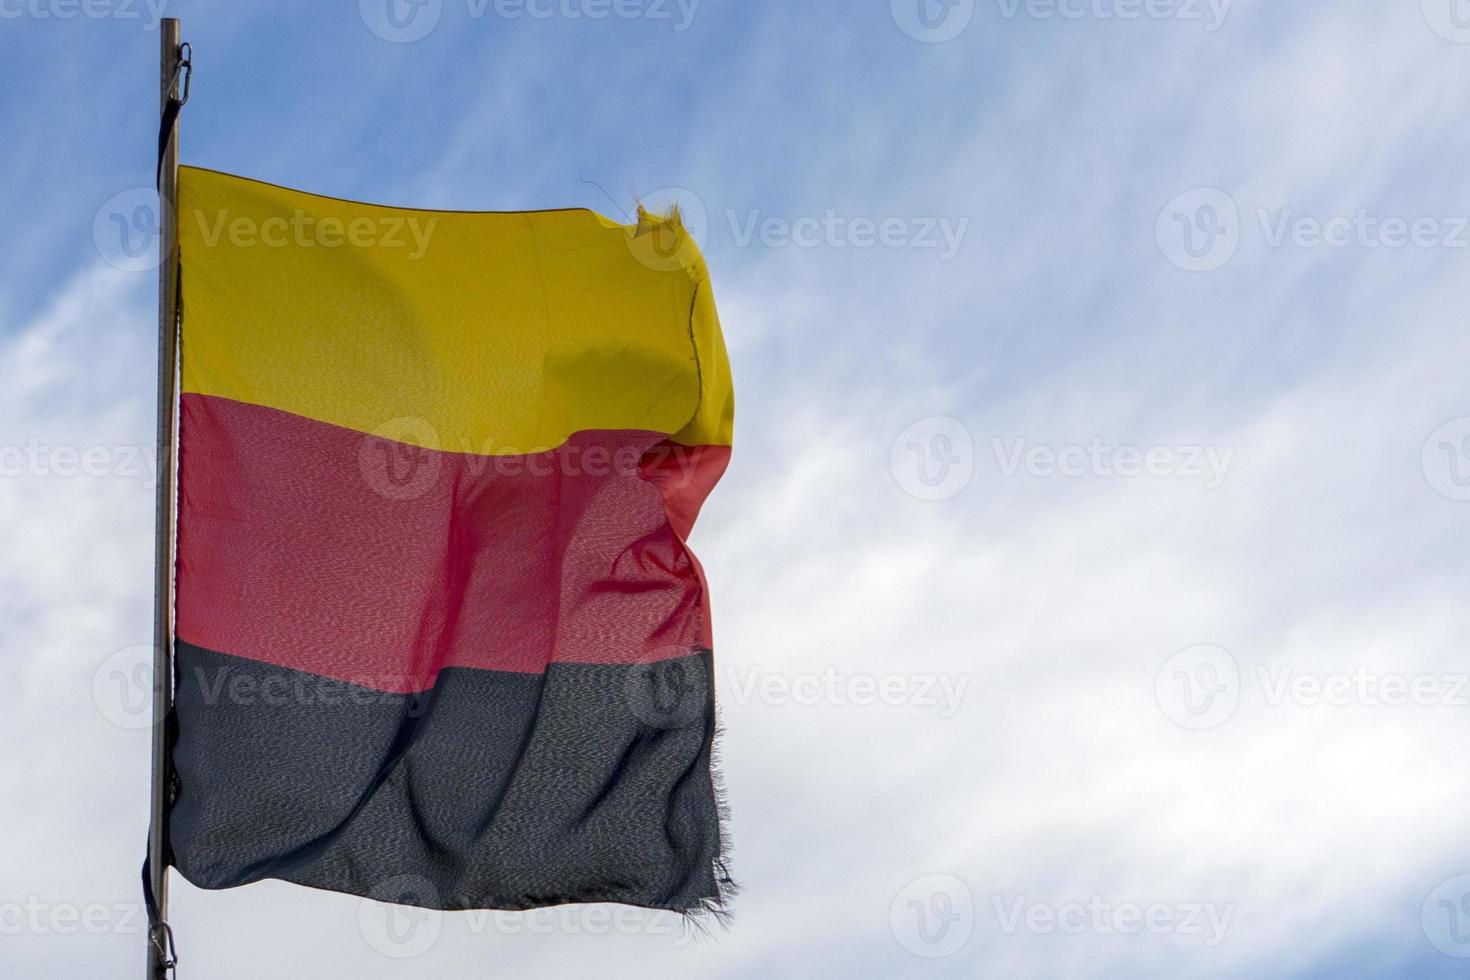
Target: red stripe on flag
369 560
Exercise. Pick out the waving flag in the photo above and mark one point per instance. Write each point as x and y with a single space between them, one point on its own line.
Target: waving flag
440 638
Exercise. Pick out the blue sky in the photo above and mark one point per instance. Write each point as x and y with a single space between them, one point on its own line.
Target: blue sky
1232 236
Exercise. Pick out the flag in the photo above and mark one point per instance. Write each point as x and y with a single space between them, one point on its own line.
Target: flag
439 636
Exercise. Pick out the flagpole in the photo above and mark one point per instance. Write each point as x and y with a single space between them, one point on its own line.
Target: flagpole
160 940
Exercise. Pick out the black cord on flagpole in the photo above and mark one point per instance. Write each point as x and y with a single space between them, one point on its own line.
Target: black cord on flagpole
177 99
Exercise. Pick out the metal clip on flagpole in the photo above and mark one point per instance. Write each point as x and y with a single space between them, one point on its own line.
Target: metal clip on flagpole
174 99
175 72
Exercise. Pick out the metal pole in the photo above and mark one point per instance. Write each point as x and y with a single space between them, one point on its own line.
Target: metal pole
160 945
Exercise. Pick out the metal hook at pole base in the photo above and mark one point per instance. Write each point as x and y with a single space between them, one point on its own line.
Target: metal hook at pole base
161 938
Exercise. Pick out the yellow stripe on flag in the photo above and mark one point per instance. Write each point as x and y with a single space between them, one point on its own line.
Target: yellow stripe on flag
490 333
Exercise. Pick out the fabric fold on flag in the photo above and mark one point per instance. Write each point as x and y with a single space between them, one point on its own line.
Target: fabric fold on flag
440 637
